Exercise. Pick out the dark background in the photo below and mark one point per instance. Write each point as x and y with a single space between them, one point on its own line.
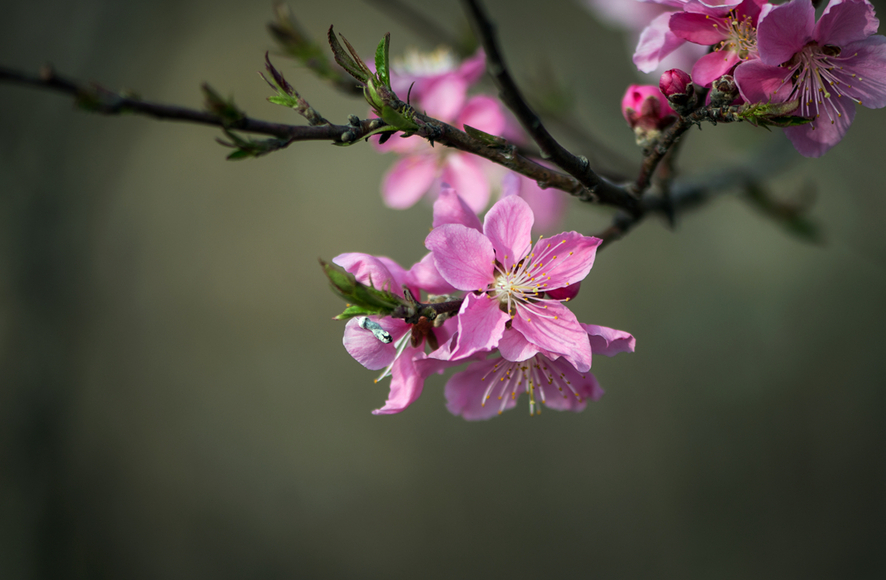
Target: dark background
176 401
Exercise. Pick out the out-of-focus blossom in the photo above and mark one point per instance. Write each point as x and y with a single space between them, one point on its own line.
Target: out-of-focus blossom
548 205
828 66
438 82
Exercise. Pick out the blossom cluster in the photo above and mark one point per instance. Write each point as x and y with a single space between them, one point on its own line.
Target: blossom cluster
775 54
512 326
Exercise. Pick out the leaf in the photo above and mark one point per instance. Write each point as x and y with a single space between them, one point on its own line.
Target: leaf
365 69
397 119
344 60
361 299
382 60
490 140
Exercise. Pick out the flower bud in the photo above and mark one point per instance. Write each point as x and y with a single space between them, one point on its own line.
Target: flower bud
647 112
723 91
677 86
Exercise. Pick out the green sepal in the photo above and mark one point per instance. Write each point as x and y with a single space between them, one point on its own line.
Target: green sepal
284 100
362 300
382 60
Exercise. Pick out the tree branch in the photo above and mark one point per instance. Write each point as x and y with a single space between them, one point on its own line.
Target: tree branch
509 93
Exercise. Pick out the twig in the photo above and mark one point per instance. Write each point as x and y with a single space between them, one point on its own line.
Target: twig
576 166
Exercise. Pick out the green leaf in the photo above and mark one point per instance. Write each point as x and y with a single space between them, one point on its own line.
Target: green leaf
382 60
361 299
239 154
344 60
284 100
397 119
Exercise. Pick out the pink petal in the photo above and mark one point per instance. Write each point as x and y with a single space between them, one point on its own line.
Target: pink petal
379 271
846 22
784 31
368 350
554 329
548 205
867 60
464 393
408 179
566 258
463 256
761 83
480 326
712 66
484 113
565 293
816 138
697 28
464 172
656 42
424 275
585 386
450 208
444 97
508 225
473 67
406 385
609 341
513 346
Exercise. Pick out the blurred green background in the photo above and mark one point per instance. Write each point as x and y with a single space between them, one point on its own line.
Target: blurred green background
176 402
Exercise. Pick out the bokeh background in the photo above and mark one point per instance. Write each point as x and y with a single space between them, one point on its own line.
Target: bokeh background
176 402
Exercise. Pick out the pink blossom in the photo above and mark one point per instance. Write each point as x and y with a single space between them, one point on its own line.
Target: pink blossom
509 279
657 40
423 168
436 81
733 36
548 205
554 383
828 66
402 356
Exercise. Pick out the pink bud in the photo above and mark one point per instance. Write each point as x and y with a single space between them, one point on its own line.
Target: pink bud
675 82
647 112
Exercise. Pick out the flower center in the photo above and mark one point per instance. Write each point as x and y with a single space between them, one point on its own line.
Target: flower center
817 74
524 284
741 37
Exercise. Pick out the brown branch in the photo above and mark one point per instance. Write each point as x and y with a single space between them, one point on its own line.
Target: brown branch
510 94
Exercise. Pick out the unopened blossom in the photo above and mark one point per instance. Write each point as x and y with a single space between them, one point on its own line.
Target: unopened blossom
388 344
733 37
647 112
509 280
828 66
489 387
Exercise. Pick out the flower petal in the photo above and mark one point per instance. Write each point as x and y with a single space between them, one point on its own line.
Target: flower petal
450 208
424 275
784 30
406 384
464 172
760 83
564 259
555 329
575 394
463 256
656 42
464 392
514 346
609 341
867 61
408 179
380 271
444 97
484 113
698 28
367 349
712 66
846 22
816 138
481 324
508 225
